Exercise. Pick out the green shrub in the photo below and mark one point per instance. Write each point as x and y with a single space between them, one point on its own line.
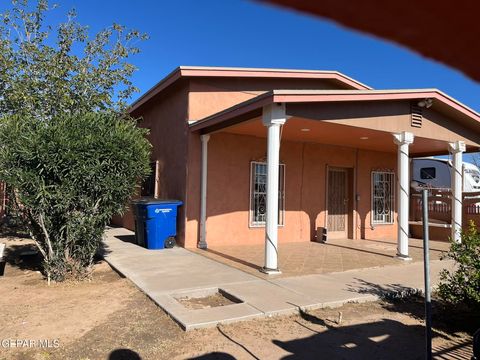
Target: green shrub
71 174
69 159
462 285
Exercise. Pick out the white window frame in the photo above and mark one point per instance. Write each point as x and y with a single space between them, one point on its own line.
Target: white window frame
392 198
281 203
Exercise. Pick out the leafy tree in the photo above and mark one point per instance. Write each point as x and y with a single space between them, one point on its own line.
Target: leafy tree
67 147
462 285
46 71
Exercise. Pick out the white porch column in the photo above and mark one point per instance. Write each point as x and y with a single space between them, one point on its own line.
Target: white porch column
456 149
202 243
273 118
403 140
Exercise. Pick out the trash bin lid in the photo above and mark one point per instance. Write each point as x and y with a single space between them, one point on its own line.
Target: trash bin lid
153 201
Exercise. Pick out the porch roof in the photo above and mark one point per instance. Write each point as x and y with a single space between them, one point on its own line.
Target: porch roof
238 113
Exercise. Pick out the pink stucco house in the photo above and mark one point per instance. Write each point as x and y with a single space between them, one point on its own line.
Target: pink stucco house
274 155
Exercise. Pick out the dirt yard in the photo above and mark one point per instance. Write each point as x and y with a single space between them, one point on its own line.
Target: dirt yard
108 318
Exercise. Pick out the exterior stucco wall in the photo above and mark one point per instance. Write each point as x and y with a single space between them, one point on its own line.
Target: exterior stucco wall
193 190
228 199
209 96
166 119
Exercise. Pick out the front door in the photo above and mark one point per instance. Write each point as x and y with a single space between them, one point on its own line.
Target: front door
337 203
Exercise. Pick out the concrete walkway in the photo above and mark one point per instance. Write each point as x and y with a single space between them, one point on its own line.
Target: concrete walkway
167 275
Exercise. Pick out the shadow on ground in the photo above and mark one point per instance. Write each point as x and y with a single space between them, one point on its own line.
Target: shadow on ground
214 356
401 299
382 339
385 339
234 259
103 249
23 255
387 291
127 238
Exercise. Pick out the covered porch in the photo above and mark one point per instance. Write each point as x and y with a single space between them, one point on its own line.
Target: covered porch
333 164
308 258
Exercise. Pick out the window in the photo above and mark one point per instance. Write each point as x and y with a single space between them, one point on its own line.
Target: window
428 173
148 185
383 195
258 193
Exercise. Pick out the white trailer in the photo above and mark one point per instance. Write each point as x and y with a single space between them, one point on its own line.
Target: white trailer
437 173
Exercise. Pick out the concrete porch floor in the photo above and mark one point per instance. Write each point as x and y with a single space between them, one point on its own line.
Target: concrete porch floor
305 258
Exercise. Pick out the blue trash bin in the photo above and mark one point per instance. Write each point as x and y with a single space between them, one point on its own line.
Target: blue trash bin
156 222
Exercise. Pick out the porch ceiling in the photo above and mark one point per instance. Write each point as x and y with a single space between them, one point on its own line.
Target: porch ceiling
341 135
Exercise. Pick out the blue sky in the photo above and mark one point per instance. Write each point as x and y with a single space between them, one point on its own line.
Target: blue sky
246 33
250 34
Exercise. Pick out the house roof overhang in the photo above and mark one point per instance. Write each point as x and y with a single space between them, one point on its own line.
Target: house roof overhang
252 108
237 72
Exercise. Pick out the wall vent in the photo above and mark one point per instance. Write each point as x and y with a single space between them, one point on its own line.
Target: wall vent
417 116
